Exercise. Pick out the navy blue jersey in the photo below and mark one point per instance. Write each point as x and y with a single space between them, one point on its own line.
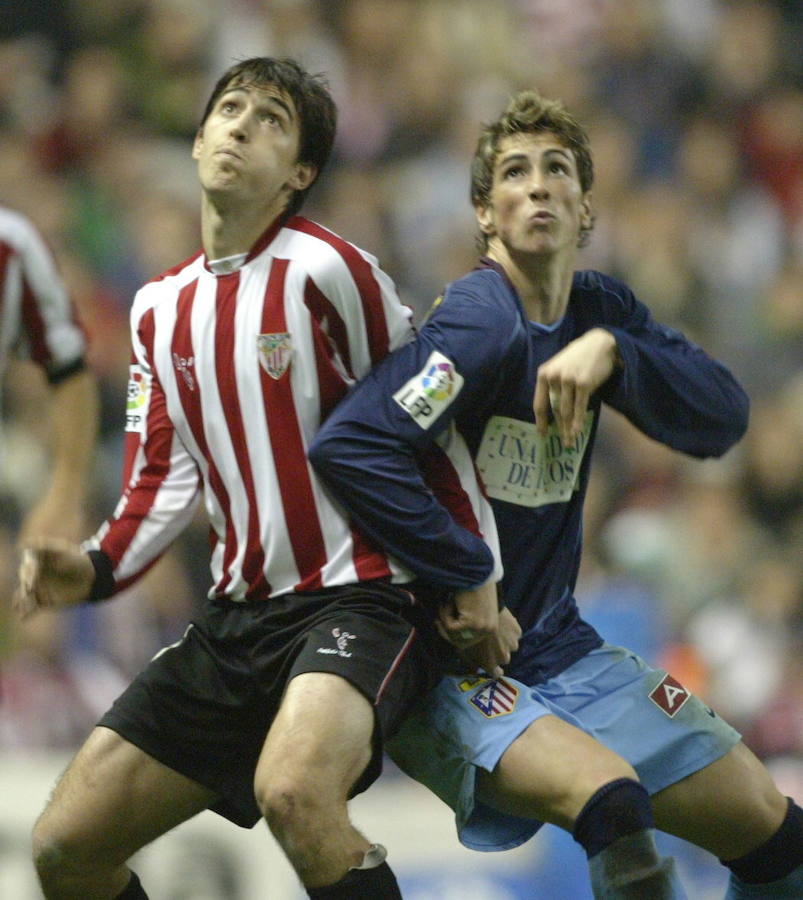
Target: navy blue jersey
474 364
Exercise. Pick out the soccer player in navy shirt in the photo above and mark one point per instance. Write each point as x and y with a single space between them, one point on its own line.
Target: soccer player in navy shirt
522 353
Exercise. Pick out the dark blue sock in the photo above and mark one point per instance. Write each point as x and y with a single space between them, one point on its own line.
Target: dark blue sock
778 856
616 809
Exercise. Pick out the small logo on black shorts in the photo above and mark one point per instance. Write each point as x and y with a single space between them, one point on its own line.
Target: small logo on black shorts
342 638
669 695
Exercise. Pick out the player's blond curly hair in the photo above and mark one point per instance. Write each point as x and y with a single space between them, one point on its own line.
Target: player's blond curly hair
529 112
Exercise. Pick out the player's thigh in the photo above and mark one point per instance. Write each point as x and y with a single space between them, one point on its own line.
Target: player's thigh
114 799
550 771
729 807
321 735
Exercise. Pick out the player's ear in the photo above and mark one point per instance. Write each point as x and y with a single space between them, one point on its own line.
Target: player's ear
586 211
303 176
484 218
197 144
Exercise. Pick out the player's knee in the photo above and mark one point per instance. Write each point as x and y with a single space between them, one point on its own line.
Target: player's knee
289 803
53 859
58 853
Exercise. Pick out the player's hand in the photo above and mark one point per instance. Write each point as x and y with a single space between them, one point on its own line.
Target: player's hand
493 654
565 382
470 617
53 573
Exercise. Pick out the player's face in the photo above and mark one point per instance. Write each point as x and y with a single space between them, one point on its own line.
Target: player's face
536 205
248 147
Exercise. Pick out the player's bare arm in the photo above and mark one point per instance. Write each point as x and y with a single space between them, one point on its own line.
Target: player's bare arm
566 382
74 425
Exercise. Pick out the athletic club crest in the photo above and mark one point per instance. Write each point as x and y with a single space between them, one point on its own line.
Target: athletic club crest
275 351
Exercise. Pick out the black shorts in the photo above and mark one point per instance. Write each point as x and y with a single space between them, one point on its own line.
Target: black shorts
203 706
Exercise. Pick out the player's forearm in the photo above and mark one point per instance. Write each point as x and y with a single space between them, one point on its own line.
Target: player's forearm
383 493
74 426
677 394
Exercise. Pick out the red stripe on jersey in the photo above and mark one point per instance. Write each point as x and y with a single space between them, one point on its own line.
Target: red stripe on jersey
226 308
289 453
189 392
174 270
331 384
328 323
267 236
373 311
369 560
395 665
441 477
34 326
157 450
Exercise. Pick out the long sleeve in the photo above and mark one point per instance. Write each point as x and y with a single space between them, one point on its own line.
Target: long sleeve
49 329
670 388
161 481
375 450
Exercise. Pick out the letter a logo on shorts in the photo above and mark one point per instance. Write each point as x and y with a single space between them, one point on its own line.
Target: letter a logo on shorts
669 694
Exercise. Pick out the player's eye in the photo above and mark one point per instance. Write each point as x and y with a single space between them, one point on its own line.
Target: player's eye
513 172
557 165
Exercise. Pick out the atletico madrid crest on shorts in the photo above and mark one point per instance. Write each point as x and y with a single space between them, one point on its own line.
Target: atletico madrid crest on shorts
495 698
275 351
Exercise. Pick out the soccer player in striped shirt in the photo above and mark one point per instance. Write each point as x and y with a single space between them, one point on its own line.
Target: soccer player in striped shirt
310 648
527 350
38 322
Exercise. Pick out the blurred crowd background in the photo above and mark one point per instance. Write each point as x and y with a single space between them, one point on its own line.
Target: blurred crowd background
695 111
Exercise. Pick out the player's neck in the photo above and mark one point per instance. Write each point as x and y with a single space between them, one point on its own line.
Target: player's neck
228 231
543 283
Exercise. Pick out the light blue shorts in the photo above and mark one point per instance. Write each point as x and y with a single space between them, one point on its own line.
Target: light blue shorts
641 713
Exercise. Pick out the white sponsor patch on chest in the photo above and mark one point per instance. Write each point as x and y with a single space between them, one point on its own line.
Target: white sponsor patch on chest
136 400
521 466
430 392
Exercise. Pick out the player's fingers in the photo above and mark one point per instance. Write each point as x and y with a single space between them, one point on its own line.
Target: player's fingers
581 397
541 404
23 603
566 411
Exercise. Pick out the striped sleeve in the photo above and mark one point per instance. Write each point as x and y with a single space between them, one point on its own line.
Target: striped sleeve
161 486
50 333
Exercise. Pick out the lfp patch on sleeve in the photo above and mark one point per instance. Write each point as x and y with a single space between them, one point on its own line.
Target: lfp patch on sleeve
136 400
495 698
430 392
669 695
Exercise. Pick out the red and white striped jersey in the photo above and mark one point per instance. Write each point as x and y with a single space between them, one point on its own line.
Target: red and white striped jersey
36 317
235 365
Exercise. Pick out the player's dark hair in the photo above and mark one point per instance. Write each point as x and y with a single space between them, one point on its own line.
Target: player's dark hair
316 109
529 113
